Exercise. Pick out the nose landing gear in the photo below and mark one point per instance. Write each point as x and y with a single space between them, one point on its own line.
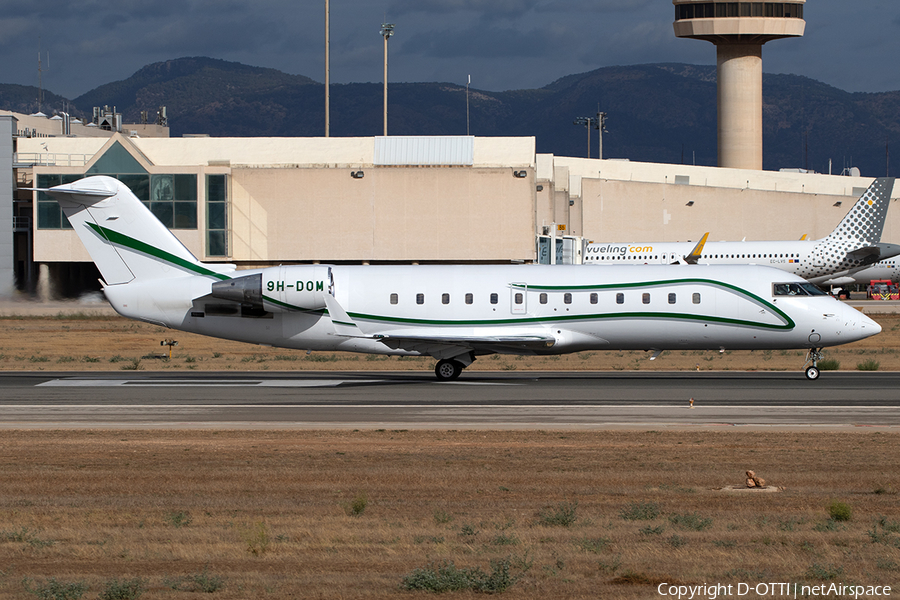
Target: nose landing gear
813 356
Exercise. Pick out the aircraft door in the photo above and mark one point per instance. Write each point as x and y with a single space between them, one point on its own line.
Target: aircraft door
518 298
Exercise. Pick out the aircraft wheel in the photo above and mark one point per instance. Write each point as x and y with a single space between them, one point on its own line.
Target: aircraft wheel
812 373
447 370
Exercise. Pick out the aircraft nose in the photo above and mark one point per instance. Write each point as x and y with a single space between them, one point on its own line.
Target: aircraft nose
861 325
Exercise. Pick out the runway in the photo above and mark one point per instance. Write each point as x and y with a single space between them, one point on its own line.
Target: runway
478 400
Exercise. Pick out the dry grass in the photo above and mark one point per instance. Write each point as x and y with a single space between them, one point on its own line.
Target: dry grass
268 511
70 343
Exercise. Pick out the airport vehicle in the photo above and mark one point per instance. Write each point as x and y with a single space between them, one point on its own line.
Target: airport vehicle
453 313
854 245
882 289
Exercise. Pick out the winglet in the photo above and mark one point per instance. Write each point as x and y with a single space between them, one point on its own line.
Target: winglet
803 237
697 252
344 325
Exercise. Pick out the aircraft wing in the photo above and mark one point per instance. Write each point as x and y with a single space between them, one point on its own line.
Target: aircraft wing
448 346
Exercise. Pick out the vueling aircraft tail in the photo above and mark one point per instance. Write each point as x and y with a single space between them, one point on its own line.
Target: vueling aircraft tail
865 221
125 240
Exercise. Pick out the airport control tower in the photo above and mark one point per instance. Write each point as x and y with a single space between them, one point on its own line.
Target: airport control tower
739 29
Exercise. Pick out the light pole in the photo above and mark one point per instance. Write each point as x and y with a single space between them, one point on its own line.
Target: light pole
327 68
599 123
387 30
468 83
587 122
601 126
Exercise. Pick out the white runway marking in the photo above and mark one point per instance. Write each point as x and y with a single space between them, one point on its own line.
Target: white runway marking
278 383
201 382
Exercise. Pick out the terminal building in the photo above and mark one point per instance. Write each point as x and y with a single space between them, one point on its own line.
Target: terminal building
260 202
379 200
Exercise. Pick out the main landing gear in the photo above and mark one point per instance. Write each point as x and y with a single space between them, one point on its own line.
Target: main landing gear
448 369
813 356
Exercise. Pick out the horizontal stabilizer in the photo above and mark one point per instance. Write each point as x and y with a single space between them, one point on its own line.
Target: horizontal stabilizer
872 254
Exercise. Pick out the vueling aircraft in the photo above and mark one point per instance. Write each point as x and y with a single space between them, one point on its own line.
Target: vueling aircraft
854 245
453 313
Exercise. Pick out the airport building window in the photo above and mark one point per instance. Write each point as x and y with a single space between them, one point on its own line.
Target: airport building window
594 298
216 215
49 215
469 298
620 298
645 298
445 298
172 198
494 298
671 298
420 298
395 298
543 298
695 298
718 10
567 298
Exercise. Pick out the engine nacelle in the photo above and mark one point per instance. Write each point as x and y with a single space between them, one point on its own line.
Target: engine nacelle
279 289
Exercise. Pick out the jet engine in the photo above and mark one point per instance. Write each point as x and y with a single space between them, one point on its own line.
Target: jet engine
279 289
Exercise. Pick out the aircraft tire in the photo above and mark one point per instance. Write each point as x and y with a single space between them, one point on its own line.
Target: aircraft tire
812 373
447 370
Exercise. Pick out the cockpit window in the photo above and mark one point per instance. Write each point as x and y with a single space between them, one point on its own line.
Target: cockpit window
797 289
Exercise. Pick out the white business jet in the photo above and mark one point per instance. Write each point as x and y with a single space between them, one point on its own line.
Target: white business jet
854 245
453 313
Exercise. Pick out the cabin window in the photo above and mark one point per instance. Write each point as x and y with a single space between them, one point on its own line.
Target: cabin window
695 298
519 298
445 298
594 297
395 298
469 298
494 298
420 298
645 298
567 298
671 298
543 298
620 298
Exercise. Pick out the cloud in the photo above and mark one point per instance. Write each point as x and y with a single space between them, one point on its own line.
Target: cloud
490 41
481 8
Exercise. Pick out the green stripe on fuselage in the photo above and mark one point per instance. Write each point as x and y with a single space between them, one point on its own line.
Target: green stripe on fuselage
787 325
120 239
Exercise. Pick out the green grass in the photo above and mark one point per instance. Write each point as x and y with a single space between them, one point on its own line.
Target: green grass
640 511
562 515
447 577
840 511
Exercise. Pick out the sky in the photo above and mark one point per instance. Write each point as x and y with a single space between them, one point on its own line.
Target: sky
503 45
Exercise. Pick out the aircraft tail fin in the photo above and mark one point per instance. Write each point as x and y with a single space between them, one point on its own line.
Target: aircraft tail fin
125 240
865 221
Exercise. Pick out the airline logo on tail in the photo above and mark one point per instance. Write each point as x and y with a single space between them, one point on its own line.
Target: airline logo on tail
855 242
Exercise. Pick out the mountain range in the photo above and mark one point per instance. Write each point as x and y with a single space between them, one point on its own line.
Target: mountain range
655 112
